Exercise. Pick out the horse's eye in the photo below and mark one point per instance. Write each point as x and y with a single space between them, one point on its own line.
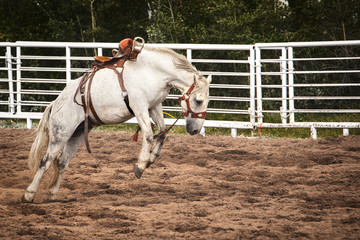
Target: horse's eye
199 102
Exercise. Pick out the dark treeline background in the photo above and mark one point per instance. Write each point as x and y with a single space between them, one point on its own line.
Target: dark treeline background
181 21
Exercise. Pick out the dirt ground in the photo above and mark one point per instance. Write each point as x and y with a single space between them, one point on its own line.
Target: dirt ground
199 188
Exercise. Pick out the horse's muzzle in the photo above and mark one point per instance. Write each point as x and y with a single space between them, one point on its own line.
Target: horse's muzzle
193 127
193 131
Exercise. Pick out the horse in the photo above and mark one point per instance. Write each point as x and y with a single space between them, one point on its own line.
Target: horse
148 81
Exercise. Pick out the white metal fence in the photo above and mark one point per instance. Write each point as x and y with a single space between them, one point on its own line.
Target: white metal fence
254 86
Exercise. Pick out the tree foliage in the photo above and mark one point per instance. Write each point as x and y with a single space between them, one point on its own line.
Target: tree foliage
180 21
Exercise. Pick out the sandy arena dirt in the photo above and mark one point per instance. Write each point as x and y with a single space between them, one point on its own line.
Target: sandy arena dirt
199 188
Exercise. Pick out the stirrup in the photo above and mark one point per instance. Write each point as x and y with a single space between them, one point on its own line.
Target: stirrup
114 52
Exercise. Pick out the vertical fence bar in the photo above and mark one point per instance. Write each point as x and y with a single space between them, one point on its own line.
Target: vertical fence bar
28 123
252 86
258 84
234 132
18 79
291 85
100 52
189 57
283 67
68 64
11 81
313 132
189 54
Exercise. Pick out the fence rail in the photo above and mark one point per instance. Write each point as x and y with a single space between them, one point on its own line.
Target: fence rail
251 82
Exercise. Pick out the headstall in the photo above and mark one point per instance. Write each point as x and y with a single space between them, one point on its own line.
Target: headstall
186 97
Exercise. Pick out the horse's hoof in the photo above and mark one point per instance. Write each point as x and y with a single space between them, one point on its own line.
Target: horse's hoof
52 198
25 200
138 172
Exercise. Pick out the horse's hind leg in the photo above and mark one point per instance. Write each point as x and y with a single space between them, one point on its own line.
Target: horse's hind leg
68 153
52 151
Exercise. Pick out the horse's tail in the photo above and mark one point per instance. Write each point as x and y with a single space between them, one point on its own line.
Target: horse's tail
41 142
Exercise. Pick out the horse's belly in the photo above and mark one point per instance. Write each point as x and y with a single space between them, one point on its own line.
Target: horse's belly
107 100
111 110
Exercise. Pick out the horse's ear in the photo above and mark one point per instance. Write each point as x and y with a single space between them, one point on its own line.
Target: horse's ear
196 80
209 78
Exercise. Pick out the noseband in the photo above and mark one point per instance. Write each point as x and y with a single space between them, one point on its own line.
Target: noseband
186 97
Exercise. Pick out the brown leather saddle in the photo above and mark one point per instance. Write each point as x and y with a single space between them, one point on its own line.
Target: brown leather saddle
129 49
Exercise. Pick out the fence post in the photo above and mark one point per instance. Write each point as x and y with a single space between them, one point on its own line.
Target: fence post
234 132
258 84
252 86
283 111
291 85
313 132
189 57
18 79
68 64
28 123
11 82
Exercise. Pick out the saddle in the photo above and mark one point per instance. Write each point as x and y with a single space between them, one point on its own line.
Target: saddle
129 49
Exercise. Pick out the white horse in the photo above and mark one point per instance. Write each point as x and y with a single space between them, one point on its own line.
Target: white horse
148 81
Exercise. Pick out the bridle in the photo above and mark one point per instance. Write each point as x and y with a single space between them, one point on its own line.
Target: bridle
186 98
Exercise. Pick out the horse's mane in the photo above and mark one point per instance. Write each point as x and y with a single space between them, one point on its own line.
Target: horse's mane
180 61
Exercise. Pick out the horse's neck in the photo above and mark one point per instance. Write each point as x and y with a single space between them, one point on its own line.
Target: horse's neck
182 84
177 78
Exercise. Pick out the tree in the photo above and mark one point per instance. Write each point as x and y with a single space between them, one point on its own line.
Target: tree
314 20
231 21
73 20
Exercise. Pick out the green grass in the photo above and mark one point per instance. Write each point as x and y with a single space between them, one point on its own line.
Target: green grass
14 123
305 132
265 132
117 127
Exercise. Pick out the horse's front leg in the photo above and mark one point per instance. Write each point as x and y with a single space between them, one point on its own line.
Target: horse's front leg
157 116
144 156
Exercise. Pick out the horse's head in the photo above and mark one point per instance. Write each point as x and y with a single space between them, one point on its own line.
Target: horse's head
194 104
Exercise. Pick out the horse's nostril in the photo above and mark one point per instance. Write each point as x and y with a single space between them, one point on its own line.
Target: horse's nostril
193 132
192 127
